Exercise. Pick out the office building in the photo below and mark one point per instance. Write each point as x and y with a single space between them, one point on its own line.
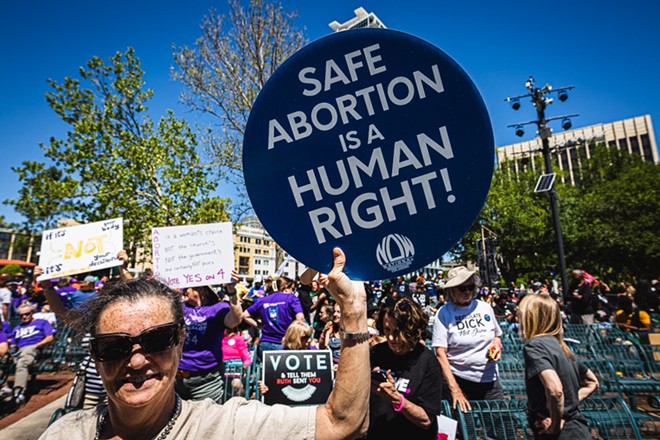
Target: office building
255 253
362 19
571 148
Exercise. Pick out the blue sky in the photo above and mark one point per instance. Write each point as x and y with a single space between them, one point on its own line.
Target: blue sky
609 50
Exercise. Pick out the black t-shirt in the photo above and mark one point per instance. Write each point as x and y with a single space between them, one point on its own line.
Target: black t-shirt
419 378
544 353
421 297
305 300
583 306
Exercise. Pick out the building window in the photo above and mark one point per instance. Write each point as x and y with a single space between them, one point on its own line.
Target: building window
257 241
257 251
623 144
634 145
575 165
589 148
646 148
611 144
265 252
564 165
581 150
257 272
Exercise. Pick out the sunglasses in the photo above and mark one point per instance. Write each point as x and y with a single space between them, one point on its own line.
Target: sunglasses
466 288
25 314
110 347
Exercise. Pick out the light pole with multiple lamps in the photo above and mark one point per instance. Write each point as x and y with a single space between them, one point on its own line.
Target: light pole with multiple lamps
541 101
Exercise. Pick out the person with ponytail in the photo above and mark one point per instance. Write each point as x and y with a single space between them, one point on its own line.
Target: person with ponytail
556 383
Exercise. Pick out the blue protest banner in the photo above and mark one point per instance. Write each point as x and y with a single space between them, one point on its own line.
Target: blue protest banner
372 140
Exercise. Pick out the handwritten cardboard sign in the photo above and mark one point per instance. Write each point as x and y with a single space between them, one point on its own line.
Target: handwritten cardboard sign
297 377
80 249
193 255
377 142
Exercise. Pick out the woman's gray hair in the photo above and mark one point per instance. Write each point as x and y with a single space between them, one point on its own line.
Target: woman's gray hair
130 291
474 279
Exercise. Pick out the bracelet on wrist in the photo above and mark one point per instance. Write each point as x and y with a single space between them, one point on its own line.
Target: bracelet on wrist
357 337
401 405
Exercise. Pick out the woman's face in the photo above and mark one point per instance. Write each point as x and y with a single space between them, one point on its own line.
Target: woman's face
336 316
393 336
463 293
315 286
191 296
141 379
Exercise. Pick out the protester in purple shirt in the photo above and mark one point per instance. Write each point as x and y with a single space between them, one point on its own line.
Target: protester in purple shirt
64 289
200 373
4 344
29 336
276 311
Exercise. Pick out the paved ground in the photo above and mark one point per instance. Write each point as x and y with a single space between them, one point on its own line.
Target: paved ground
34 424
31 420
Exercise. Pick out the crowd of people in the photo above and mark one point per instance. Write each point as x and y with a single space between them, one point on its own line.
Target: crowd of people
162 352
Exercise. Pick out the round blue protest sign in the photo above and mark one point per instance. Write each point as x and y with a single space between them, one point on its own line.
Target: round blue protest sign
371 140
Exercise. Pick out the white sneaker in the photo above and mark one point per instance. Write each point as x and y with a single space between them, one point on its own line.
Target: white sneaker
20 400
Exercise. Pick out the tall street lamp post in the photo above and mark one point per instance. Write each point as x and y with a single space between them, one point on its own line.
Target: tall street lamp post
540 101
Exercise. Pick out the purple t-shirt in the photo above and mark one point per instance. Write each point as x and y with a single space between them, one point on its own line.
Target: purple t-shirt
205 328
65 293
3 337
277 311
31 333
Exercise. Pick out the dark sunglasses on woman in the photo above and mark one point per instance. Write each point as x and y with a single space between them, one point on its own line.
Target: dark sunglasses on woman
465 288
110 347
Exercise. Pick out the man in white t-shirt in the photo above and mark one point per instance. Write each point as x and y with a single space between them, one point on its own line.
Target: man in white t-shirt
5 300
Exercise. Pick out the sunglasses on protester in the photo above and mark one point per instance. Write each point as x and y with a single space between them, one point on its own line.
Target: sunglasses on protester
465 288
110 347
25 314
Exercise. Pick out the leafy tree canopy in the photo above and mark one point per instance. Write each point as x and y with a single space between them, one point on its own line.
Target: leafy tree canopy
610 220
115 161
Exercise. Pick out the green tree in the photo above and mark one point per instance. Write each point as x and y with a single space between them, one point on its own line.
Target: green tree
115 161
617 215
610 220
4 224
521 222
227 67
11 270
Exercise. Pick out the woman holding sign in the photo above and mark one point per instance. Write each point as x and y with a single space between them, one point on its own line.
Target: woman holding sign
137 340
